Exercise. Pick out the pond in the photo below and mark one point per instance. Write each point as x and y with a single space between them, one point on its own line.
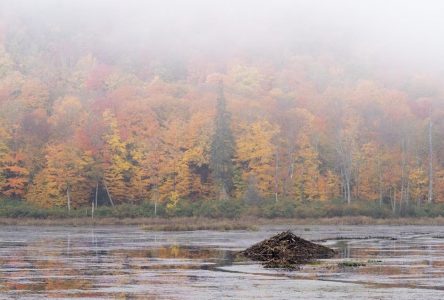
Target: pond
373 262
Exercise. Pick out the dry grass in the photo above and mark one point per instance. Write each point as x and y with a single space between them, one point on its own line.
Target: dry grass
149 224
360 220
250 223
200 224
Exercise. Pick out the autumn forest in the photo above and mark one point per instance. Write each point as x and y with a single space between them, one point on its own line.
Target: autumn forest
86 120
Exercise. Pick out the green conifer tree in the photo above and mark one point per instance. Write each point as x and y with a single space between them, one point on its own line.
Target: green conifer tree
222 148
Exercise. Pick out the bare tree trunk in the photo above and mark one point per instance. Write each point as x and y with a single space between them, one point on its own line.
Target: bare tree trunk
223 193
394 201
407 176
357 182
400 204
407 194
292 166
343 189
156 198
430 195
348 175
174 162
346 184
109 196
155 208
403 160
97 192
345 158
276 183
289 173
348 191
68 196
380 196
380 180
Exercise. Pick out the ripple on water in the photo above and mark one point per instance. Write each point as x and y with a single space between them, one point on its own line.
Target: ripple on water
373 262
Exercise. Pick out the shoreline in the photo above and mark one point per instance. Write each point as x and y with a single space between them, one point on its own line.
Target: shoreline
193 223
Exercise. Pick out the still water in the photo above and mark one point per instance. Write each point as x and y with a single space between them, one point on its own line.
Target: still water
126 262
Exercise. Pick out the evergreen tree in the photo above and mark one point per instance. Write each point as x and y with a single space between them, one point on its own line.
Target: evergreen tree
222 148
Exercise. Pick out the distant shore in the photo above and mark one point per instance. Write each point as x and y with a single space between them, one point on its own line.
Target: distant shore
191 223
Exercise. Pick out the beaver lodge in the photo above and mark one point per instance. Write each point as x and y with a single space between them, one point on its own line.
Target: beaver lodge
286 250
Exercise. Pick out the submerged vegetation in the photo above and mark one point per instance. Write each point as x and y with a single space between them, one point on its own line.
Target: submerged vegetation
351 264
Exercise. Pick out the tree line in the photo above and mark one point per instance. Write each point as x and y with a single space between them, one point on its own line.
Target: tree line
76 129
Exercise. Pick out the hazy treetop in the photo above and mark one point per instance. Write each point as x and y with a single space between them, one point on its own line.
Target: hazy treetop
402 33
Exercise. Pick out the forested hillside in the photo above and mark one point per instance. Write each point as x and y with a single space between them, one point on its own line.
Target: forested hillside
85 119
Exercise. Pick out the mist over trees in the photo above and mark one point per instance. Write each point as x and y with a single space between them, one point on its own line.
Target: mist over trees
122 102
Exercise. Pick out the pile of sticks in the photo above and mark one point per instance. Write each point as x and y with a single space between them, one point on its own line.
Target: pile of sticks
286 250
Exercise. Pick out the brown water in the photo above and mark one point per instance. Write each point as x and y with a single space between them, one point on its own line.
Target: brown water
403 262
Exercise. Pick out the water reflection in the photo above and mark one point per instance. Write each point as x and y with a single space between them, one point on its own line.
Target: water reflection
129 263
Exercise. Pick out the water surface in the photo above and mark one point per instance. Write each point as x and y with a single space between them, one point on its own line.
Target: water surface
404 262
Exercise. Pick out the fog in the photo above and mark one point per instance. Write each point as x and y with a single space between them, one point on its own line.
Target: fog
126 112
398 33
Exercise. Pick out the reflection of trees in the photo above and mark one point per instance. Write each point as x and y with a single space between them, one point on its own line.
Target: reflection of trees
168 252
391 262
28 272
72 266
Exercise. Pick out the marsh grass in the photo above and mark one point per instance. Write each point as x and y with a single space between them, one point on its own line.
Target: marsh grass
212 215
199 224
192 223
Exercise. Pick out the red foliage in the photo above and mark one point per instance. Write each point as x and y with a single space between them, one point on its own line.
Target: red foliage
97 77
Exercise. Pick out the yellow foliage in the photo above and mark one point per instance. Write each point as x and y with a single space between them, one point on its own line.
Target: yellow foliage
307 175
117 168
418 184
65 171
256 154
245 79
439 186
369 172
332 186
34 94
